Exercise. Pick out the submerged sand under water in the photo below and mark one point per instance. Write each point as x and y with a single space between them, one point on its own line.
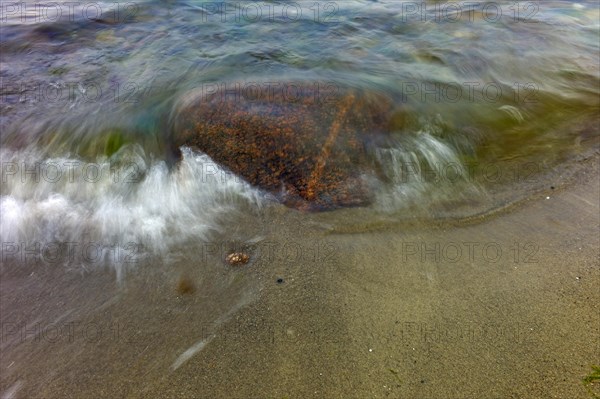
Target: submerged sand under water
505 306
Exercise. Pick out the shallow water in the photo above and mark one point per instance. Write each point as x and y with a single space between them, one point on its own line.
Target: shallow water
472 89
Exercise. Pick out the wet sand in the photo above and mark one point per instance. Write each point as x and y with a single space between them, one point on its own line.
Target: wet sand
507 307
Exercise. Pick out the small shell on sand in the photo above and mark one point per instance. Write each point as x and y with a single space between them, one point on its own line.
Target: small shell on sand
237 258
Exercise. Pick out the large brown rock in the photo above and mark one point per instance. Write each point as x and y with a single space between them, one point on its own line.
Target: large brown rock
309 150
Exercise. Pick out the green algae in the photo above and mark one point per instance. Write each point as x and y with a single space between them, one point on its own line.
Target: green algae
590 379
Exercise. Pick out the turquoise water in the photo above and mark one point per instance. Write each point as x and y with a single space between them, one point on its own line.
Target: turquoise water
90 100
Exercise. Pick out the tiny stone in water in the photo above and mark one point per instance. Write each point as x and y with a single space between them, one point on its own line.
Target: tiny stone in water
237 258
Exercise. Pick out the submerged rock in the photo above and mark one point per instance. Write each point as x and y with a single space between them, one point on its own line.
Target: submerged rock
309 150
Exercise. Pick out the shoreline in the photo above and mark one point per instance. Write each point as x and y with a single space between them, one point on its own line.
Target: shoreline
378 316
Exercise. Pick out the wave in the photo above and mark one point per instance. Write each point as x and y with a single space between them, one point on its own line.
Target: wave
133 205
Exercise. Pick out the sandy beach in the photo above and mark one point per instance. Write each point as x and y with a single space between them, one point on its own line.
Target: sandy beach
505 307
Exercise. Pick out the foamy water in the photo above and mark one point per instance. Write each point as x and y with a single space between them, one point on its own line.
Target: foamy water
73 88
138 203
134 203
422 170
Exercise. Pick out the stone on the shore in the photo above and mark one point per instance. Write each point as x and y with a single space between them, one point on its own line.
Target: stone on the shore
309 151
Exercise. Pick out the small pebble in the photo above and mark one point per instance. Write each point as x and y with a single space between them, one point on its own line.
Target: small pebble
237 258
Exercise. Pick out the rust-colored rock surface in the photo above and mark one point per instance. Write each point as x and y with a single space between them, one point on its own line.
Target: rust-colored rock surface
308 150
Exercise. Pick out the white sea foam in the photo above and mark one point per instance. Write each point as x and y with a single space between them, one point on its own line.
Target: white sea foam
136 201
421 170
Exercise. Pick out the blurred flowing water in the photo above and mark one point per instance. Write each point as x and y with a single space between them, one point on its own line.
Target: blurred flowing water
89 95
